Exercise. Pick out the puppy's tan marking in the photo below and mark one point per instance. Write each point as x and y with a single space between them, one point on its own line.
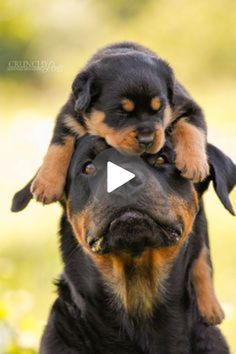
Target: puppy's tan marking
127 105
49 183
96 125
155 103
121 139
159 139
167 117
190 147
124 138
74 126
208 304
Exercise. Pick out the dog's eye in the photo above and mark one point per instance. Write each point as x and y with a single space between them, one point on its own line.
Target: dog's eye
89 168
157 161
160 160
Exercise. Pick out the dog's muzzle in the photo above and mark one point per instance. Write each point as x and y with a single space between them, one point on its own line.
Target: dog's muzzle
133 231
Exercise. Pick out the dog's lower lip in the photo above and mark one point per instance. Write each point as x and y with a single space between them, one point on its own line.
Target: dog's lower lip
135 219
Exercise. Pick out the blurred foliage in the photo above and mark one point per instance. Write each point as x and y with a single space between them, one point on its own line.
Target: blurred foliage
56 38
16 33
123 10
202 32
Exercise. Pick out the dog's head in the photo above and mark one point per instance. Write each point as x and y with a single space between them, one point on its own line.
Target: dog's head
133 245
126 98
158 212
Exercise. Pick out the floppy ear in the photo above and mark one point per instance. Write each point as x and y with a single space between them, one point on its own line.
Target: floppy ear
223 175
167 73
84 90
22 198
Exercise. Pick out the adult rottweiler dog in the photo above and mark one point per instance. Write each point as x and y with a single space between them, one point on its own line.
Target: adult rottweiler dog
129 96
128 280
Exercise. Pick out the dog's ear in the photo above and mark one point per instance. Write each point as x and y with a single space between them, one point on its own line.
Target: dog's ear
223 175
84 90
22 198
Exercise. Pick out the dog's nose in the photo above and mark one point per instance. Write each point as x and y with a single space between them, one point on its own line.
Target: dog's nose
145 138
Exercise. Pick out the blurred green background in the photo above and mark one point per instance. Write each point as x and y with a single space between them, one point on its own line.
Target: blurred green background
42 46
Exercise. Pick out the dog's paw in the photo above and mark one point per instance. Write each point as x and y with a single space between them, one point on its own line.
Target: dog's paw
47 189
194 168
211 312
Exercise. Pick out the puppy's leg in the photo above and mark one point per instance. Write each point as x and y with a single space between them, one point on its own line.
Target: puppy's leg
49 182
208 304
48 185
190 147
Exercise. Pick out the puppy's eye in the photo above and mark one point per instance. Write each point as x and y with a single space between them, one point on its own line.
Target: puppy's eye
89 168
159 161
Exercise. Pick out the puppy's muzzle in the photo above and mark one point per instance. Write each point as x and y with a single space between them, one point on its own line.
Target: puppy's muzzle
145 137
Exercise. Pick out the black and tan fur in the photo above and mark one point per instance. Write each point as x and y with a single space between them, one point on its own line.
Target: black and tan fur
130 97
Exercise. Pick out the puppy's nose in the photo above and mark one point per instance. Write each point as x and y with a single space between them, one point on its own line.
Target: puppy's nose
145 138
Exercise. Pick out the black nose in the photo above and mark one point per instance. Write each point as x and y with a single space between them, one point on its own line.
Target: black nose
145 138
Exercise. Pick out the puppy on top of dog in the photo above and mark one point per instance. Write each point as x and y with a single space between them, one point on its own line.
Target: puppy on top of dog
129 96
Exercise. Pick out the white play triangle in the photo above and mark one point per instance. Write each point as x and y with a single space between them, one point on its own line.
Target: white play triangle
117 176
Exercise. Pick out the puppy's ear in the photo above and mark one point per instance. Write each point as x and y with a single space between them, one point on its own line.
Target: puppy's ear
84 90
22 198
166 72
223 175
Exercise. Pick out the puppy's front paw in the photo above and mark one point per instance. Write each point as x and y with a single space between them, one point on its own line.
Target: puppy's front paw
211 311
47 189
195 167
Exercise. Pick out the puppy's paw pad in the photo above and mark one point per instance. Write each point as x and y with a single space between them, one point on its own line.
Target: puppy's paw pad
194 169
47 191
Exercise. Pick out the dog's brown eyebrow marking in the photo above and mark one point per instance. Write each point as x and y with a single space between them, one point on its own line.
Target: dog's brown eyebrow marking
155 103
127 105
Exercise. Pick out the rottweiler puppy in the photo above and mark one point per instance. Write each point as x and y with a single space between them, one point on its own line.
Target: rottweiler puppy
133 274
130 97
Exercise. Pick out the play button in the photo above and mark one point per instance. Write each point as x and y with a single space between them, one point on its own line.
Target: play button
117 176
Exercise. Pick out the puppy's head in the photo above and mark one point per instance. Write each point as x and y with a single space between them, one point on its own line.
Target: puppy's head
126 99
